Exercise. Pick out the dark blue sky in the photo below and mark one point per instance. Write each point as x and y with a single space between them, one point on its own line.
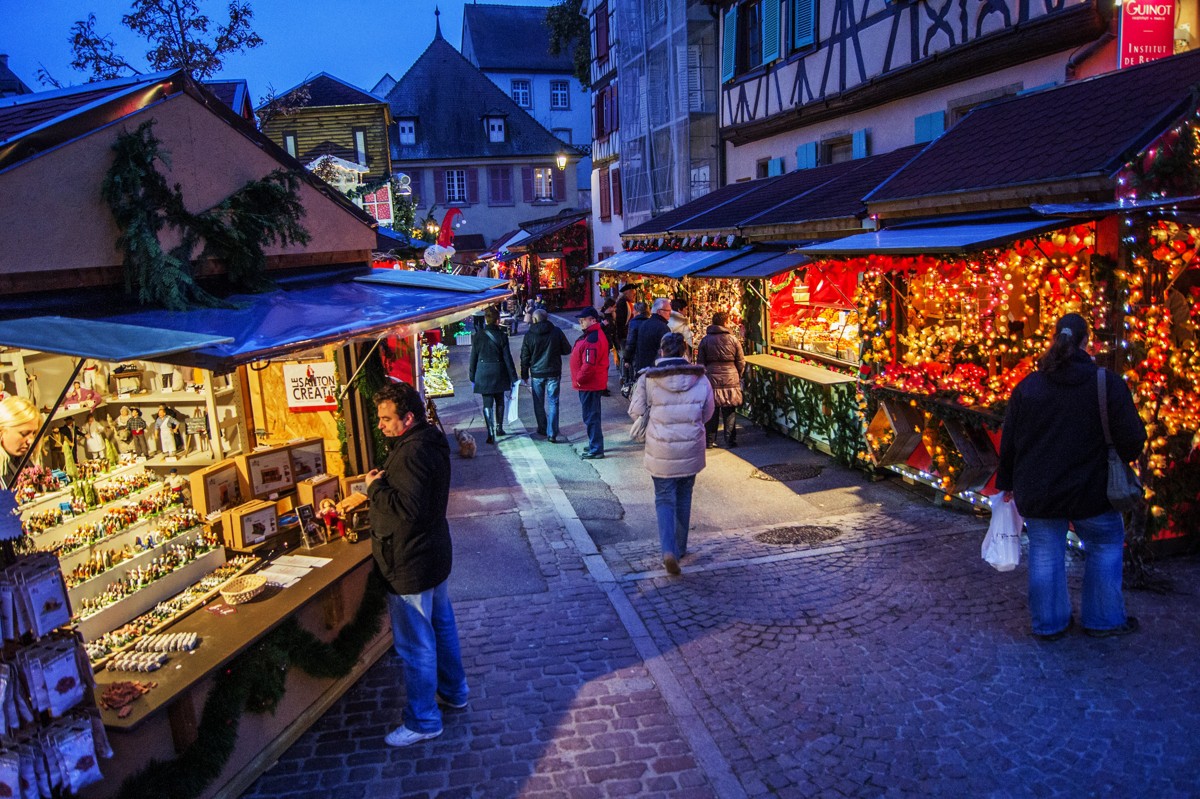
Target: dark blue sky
356 40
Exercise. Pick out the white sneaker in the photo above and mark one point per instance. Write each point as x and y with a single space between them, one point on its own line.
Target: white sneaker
403 736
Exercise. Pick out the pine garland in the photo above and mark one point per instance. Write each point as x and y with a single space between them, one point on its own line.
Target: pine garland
256 682
236 230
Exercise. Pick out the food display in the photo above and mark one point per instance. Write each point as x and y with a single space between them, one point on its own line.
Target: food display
810 327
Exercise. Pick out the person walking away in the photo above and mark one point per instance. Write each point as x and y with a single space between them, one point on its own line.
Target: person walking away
624 311
678 323
541 367
679 400
641 312
642 347
720 353
410 542
1054 465
589 376
492 371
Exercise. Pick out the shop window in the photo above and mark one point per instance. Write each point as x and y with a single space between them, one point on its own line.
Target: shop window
407 131
500 190
456 185
560 95
543 184
522 93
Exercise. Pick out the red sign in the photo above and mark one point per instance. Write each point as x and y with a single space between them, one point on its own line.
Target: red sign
1147 31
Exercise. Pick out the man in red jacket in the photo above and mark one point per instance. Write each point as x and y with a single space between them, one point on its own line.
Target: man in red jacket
589 376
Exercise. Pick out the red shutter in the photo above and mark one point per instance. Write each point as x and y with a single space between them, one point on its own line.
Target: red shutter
605 110
605 199
472 186
614 117
439 186
560 184
597 118
527 183
616 192
602 32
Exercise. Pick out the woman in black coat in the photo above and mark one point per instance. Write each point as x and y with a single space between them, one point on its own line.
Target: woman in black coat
492 371
1054 465
720 353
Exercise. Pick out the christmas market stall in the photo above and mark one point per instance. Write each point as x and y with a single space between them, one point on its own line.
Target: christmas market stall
201 348
550 261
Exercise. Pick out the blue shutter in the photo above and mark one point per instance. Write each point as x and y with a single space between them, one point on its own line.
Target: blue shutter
930 126
806 155
770 31
729 46
858 144
774 167
804 23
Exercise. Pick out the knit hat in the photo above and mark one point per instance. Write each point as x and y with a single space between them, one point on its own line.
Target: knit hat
1075 326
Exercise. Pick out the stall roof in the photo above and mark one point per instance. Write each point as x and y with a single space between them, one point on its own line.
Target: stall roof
626 259
755 265
676 218
937 239
442 281
678 264
299 316
102 340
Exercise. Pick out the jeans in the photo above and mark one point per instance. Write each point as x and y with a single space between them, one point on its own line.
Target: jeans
1103 537
673 506
589 403
725 415
426 638
545 403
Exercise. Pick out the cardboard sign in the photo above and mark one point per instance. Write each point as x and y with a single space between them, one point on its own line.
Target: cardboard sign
310 386
1147 31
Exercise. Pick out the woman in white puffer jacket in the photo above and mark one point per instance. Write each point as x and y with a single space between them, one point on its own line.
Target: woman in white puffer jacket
678 398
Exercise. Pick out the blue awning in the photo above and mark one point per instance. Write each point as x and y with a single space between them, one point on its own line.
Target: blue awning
622 261
755 265
936 239
102 340
678 264
302 315
442 281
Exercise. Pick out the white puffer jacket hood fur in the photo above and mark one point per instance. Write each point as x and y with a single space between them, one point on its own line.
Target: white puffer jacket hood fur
679 399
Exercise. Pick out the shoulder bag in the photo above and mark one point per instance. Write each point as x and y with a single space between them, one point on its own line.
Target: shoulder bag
1124 487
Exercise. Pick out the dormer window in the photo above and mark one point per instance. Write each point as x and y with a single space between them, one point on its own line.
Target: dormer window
407 129
495 128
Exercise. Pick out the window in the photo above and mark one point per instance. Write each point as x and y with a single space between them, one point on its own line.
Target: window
760 167
804 23
360 147
605 194
495 128
521 93
289 144
560 95
837 149
606 111
600 46
407 129
456 185
543 184
500 185
768 167
749 36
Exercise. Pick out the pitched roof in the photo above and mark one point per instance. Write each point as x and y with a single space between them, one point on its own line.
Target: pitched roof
10 84
503 37
1089 127
678 216
326 90
449 97
234 93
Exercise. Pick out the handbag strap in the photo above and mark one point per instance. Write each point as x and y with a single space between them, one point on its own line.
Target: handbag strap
1102 390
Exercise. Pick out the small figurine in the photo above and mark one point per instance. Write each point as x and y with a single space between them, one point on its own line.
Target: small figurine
82 397
165 427
179 485
328 514
137 433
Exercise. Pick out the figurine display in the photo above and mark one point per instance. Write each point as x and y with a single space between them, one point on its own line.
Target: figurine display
93 437
81 397
137 434
165 428
121 432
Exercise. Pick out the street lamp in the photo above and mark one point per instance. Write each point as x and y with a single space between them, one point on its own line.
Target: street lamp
561 160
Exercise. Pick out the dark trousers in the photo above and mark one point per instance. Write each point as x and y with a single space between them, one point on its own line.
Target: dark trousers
722 415
493 413
589 404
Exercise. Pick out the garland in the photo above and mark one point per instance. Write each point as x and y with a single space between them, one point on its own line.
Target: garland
256 682
235 231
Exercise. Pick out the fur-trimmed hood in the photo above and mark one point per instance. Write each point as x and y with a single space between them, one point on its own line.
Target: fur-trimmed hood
675 374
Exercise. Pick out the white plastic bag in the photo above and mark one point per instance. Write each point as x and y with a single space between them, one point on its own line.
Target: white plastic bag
1002 544
510 415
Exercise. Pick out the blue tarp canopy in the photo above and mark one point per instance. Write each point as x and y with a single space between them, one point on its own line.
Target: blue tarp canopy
300 316
624 260
443 281
678 265
755 265
936 238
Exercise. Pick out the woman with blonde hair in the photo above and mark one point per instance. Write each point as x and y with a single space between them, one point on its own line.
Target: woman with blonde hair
19 424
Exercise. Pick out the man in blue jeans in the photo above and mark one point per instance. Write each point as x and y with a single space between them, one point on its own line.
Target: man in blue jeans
541 362
410 541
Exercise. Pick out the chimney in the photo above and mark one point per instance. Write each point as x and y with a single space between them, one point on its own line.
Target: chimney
3 59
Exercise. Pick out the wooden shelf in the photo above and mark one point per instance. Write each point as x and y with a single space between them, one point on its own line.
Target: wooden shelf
96 584
804 371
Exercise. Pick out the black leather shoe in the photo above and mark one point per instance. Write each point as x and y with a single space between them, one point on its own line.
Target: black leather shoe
1061 634
556 440
500 431
1130 626
491 440
731 444
592 456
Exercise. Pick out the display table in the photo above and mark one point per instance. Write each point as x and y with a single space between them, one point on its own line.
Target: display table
164 721
804 371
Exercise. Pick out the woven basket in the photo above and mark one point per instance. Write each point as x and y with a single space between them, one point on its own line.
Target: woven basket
242 589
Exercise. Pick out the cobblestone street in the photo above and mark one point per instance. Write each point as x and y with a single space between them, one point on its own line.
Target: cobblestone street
877 656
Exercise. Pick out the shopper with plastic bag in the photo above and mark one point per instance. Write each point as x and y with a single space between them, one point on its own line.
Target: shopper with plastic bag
1002 544
1054 464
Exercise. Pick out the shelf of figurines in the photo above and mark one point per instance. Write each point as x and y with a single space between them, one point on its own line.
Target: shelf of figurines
169 398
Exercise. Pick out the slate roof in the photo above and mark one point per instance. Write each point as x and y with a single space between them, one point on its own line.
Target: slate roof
326 90
449 97
672 219
511 38
234 93
1089 127
24 112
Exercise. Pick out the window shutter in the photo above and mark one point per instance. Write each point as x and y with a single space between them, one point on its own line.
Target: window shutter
859 144
597 128
439 186
774 167
614 118
615 178
930 126
414 185
695 79
527 183
729 45
560 185
804 19
806 155
472 185
601 31
605 195
770 31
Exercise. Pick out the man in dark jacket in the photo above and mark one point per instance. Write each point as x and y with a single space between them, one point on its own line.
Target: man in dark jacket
624 311
410 541
541 359
641 346
641 312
